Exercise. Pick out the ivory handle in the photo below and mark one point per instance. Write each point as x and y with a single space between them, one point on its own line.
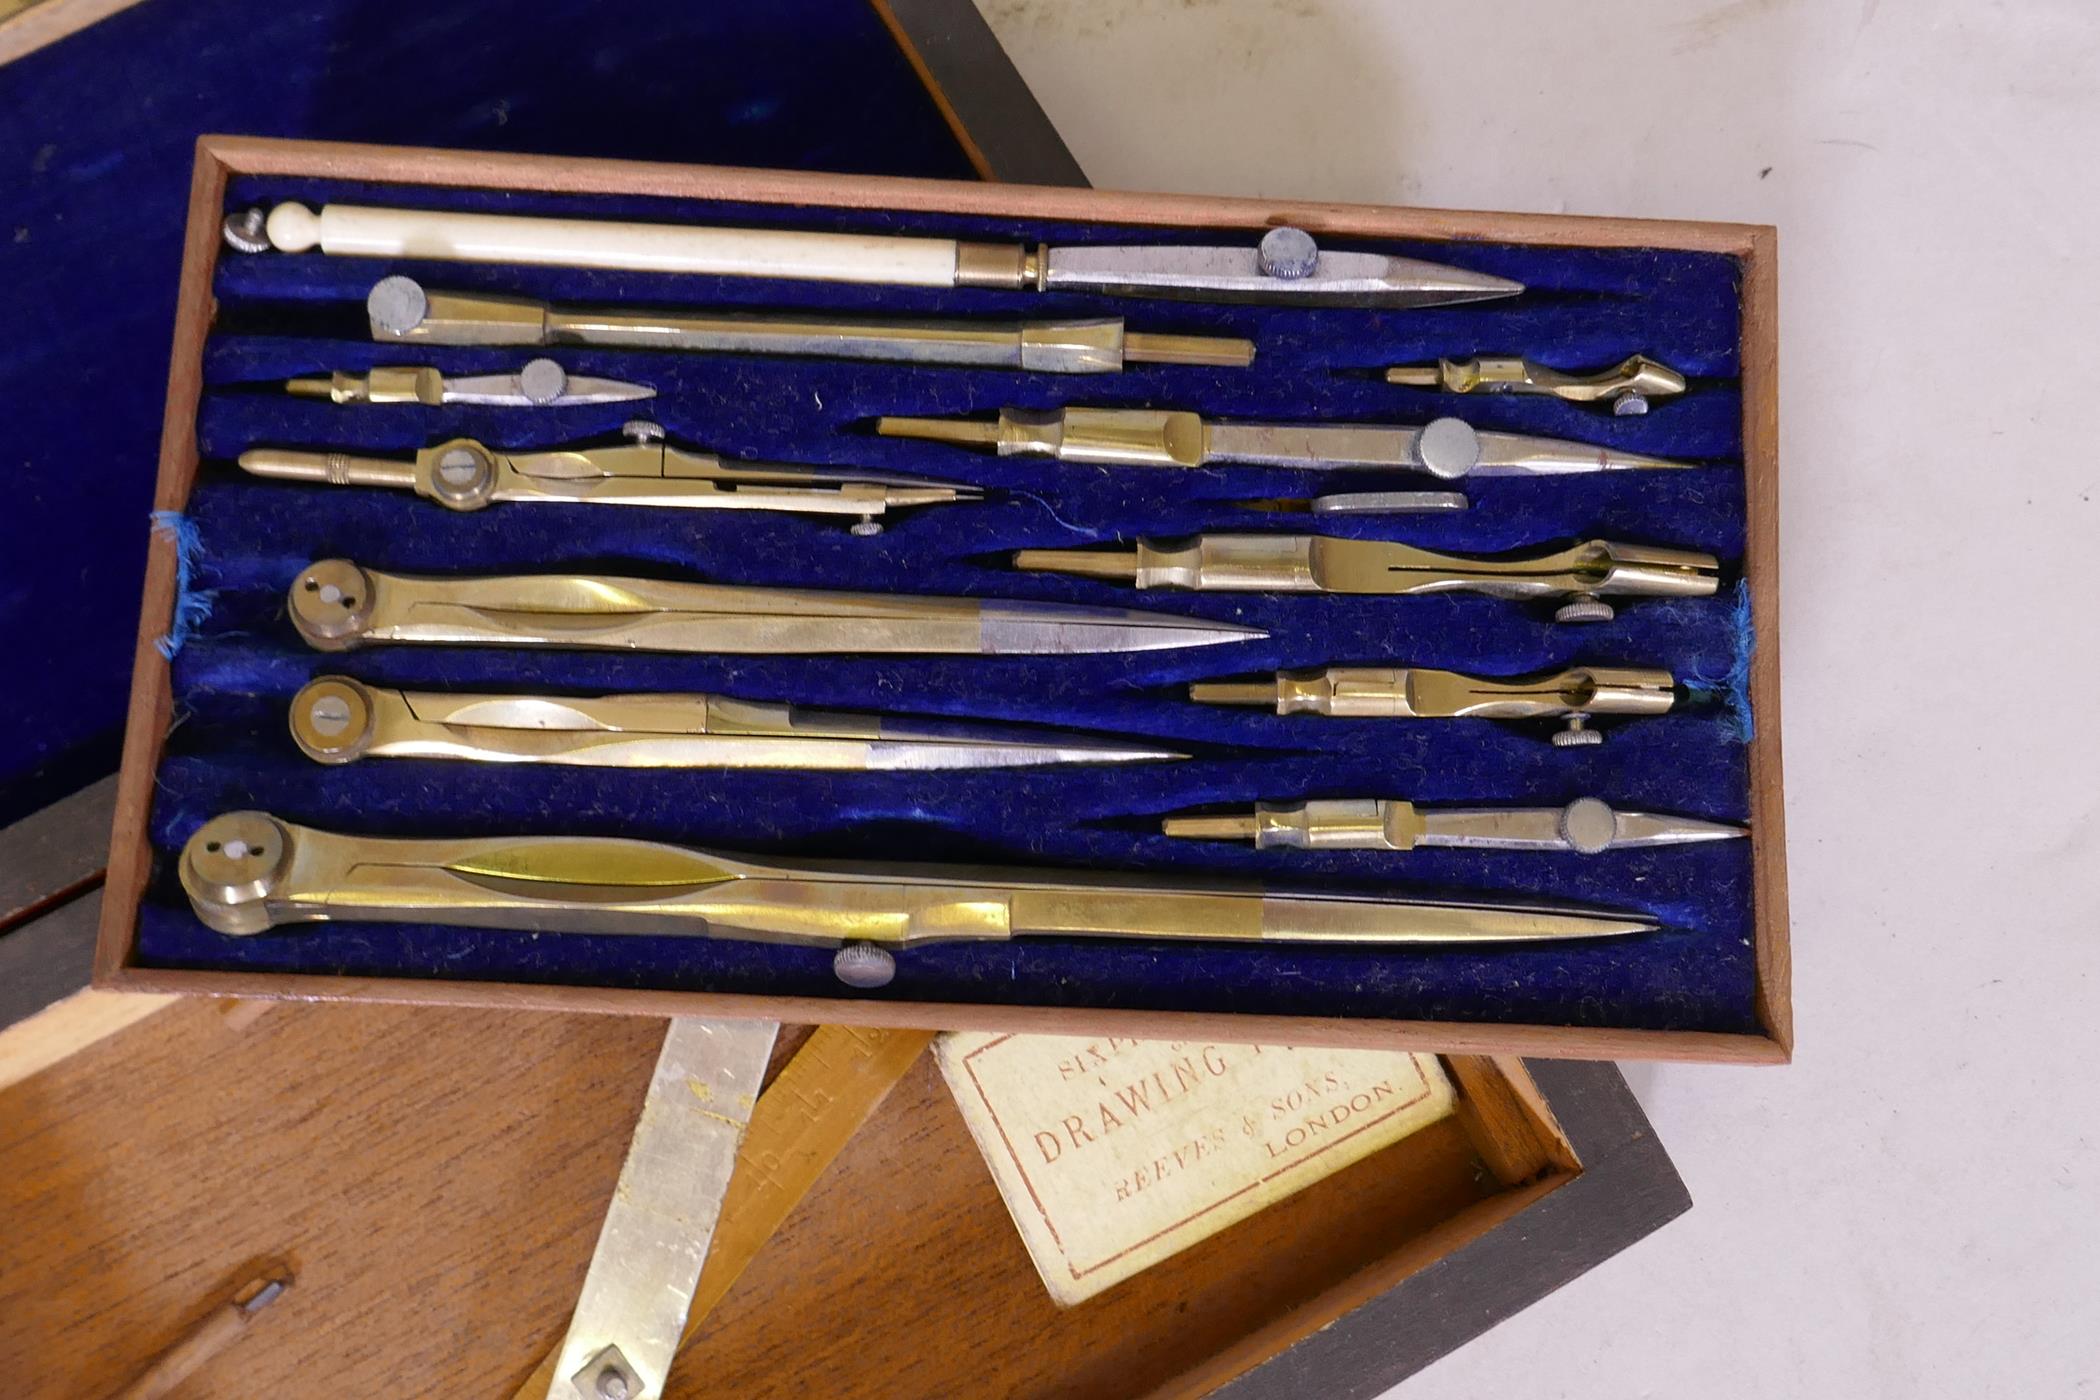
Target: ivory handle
349 230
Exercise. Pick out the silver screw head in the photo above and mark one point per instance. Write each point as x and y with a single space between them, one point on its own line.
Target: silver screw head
642 430
243 231
542 381
606 1376
458 466
1288 253
330 715
864 965
396 305
1447 448
1588 825
1585 609
867 527
1578 734
1630 404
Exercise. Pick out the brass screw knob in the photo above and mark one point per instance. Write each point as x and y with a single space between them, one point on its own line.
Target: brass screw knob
331 719
330 604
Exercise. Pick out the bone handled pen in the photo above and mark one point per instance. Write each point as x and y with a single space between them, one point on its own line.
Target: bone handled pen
1286 265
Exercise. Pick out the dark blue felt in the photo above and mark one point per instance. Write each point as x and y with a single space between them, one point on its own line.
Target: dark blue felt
96 138
287 315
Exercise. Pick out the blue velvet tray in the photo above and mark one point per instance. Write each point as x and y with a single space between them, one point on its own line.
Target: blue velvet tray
96 192
279 316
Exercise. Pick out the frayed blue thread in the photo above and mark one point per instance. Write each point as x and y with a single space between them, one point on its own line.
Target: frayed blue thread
1044 501
192 604
1732 688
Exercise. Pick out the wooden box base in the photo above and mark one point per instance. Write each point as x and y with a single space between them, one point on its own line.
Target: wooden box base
439 1209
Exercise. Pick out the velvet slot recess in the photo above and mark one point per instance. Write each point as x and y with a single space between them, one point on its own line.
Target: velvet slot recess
281 316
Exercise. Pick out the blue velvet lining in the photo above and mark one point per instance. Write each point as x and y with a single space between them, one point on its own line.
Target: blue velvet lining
290 315
97 137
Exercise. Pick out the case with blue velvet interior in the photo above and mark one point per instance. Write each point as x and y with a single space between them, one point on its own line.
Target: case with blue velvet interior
208 731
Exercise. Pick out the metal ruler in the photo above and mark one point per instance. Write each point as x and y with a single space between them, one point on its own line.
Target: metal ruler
711 1162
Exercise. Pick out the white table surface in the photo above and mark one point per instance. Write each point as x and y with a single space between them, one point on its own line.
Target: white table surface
1910 1208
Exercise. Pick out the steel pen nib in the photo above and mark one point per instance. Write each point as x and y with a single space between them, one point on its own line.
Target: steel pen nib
539 384
644 471
1574 696
1585 826
1629 386
335 719
248 872
1449 448
337 605
1583 574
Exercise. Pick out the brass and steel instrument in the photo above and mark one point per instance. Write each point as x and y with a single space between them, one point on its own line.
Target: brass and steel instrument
1585 574
336 605
1146 437
401 310
643 471
1286 266
247 872
1415 692
1629 386
538 384
335 719
1360 503
1586 826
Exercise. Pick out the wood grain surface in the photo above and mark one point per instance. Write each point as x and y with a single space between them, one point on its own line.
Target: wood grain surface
435 1179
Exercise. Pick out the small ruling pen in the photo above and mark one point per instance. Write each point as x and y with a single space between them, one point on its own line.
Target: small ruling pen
1586 826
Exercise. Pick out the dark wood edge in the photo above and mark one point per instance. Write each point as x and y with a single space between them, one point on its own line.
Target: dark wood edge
55 853
50 870
219 157
914 54
1627 1189
996 119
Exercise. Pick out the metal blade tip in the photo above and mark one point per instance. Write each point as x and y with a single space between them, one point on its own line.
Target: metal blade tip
1415 283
